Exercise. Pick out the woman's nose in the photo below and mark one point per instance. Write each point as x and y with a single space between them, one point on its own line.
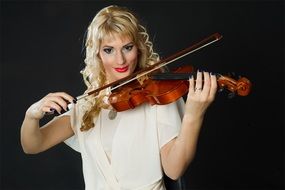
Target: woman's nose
121 58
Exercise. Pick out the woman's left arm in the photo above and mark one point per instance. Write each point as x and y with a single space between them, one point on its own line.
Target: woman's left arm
179 152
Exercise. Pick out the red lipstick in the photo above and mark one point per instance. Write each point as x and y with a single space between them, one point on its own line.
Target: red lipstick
122 69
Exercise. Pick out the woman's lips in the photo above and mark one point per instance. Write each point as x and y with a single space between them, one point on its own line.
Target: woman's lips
122 69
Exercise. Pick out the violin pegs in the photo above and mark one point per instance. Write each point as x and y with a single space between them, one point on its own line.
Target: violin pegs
231 95
221 90
231 74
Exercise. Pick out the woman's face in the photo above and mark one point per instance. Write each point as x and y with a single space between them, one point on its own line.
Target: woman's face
119 56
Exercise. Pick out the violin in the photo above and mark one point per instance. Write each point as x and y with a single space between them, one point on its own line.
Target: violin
161 89
155 88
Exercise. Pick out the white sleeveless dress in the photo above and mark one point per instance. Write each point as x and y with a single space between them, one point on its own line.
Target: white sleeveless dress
124 153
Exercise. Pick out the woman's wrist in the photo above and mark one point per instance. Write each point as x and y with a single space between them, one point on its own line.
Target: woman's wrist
190 118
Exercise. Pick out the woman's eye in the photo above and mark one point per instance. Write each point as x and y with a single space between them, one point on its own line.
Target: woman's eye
129 47
108 50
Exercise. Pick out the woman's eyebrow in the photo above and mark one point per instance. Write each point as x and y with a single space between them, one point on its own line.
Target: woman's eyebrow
107 46
130 43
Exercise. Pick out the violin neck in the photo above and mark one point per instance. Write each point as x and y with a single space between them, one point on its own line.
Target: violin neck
171 76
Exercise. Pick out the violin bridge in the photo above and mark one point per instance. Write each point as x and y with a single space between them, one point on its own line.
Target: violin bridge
142 79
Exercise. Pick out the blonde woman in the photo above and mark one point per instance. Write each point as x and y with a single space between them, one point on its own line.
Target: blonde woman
132 149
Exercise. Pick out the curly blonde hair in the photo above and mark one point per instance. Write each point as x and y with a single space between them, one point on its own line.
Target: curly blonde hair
107 22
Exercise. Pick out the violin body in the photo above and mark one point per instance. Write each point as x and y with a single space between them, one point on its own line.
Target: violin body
127 97
163 92
159 92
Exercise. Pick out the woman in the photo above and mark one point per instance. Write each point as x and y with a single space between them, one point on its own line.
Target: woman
130 149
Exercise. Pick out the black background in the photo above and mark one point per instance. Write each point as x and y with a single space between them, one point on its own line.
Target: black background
241 144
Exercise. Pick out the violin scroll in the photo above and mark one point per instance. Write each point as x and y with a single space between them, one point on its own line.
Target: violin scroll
242 86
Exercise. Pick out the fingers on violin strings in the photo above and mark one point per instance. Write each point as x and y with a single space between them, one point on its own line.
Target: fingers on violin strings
191 84
206 83
214 85
199 82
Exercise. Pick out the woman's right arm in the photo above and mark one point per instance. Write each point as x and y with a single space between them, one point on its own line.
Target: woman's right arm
35 139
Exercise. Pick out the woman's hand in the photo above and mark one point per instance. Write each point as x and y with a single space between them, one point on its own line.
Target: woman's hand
201 94
178 153
50 103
